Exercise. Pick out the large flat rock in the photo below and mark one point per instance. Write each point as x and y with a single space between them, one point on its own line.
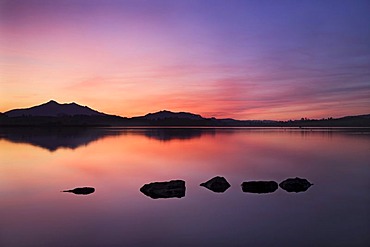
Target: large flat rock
170 189
259 186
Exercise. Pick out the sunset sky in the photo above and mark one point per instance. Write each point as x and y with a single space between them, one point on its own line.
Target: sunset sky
224 58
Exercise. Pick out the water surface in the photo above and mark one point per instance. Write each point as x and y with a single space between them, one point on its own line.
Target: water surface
36 165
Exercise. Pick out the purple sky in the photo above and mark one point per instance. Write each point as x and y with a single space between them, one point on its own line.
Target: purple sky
240 59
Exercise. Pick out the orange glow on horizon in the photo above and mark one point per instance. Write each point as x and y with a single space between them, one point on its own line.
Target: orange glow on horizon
122 61
220 110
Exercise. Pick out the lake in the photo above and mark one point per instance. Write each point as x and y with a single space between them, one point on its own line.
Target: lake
37 164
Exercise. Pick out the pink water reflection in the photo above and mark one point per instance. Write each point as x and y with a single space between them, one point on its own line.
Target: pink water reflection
35 213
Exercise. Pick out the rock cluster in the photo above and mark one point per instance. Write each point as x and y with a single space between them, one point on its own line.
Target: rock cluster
176 188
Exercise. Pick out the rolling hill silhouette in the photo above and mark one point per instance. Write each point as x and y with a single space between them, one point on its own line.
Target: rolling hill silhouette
168 114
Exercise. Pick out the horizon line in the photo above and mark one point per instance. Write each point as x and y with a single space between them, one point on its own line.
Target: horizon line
165 110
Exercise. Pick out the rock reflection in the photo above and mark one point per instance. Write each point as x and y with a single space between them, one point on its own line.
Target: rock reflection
170 189
216 184
295 185
81 191
259 187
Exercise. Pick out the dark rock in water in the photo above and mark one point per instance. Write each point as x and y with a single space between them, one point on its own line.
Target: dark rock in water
81 191
216 184
295 185
171 189
259 186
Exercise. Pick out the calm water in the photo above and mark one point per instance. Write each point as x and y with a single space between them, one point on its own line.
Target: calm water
36 165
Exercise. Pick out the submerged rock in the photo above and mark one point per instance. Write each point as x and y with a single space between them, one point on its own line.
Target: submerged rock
216 184
81 191
259 186
171 189
295 184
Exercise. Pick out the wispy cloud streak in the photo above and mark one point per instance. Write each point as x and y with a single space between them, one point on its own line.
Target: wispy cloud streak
240 59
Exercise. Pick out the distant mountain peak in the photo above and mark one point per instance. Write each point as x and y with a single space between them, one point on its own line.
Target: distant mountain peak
54 102
50 102
54 109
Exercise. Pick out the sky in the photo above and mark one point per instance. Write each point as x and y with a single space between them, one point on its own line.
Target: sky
244 59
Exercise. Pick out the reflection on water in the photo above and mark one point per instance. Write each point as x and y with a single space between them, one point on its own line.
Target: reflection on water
168 134
55 138
118 162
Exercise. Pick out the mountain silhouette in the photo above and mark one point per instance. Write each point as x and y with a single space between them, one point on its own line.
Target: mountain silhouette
168 114
54 114
54 109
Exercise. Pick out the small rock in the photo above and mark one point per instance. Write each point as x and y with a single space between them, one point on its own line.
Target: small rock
81 191
295 185
259 186
171 189
216 184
